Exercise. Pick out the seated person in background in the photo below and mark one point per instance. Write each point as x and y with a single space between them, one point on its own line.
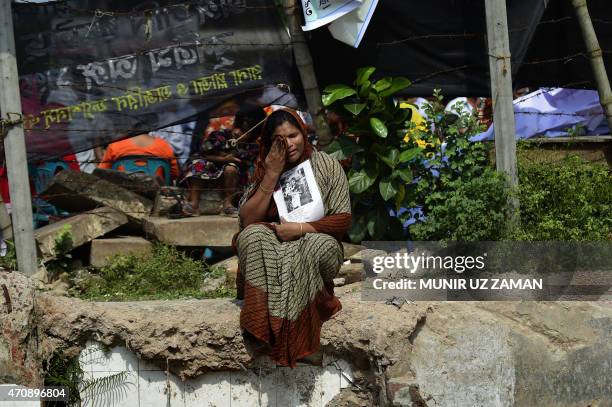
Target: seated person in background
141 145
218 164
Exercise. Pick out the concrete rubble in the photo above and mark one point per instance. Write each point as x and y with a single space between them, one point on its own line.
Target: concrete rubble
82 228
423 353
104 249
214 230
139 183
77 191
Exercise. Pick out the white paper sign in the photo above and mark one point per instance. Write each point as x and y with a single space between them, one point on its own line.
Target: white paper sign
320 12
298 198
351 27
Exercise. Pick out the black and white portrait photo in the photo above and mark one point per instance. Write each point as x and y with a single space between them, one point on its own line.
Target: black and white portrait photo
295 190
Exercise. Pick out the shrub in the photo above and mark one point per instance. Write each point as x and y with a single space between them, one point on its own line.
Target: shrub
165 274
381 163
461 196
470 210
568 200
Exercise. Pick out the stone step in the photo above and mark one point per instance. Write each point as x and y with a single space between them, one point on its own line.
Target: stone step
214 230
82 228
102 250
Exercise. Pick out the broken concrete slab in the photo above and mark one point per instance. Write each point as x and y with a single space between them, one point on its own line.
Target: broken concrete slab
351 249
78 191
351 273
214 230
137 182
83 228
366 255
104 249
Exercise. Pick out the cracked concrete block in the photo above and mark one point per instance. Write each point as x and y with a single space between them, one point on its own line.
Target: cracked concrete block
352 273
351 249
104 249
83 228
78 191
139 183
199 231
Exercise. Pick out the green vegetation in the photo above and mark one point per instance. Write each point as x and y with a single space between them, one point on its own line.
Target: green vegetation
463 198
381 162
67 372
567 200
9 260
396 163
166 273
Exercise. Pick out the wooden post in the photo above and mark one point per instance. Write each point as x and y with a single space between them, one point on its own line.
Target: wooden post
14 146
501 91
303 60
595 55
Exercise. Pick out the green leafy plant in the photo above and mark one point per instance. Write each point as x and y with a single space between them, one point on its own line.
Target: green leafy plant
567 200
9 260
67 372
167 273
63 243
381 163
461 196
470 210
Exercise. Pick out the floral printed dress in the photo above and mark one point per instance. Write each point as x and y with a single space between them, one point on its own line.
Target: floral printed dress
218 143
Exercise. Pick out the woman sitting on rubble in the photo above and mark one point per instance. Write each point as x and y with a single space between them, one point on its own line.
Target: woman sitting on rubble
220 164
285 268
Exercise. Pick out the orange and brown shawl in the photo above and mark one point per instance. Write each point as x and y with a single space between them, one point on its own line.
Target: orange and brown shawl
287 286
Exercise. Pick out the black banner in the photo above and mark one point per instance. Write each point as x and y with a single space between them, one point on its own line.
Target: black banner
96 71
442 44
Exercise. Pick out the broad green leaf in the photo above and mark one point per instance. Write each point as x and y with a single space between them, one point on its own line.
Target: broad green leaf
408 155
355 108
337 94
398 84
363 74
377 224
404 173
399 197
379 127
364 89
382 84
332 88
343 148
389 156
361 181
402 115
386 188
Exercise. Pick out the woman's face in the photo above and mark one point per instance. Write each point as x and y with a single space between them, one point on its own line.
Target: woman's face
295 140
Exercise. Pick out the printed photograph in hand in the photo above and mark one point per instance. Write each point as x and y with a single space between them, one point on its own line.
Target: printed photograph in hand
296 191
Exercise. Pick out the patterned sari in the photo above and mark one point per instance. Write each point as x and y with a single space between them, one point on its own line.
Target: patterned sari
287 286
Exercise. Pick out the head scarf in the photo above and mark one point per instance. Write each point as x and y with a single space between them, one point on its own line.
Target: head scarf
263 152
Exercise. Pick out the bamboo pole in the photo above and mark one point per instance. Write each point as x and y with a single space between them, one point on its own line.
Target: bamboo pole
596 58
303 60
